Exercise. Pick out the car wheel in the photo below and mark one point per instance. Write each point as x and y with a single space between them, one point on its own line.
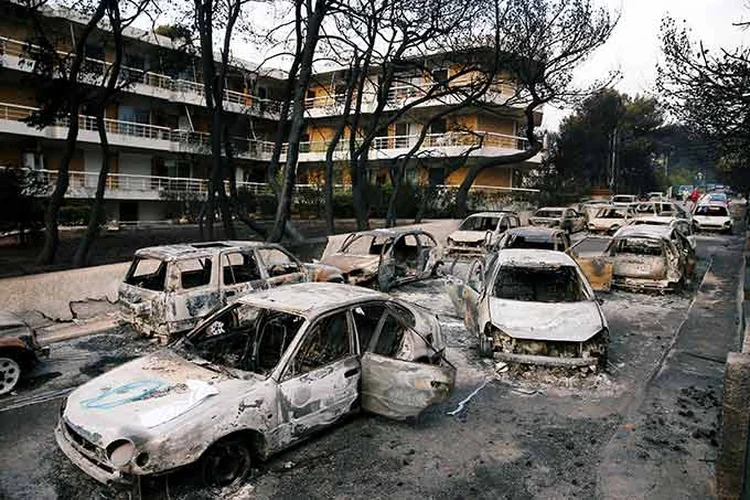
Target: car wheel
226 463
10 373
486 346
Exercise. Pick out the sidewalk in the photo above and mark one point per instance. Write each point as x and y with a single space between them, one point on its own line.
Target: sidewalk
667 444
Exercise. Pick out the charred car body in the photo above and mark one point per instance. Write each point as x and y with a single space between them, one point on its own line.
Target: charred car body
533 306
19 350
254 378
609 219
567 219
540 238
386 257
650 257
168 289
480 231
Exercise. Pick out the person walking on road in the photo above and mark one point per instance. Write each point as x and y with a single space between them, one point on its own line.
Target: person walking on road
694 196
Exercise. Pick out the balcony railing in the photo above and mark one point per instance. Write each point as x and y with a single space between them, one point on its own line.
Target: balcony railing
95 68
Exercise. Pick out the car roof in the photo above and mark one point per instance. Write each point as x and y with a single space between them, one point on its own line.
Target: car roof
390 232
645 231
311 299
497 213
532 257
553 208
197 249
533 231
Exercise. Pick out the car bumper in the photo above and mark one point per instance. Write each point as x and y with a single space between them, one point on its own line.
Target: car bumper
88 461
644 284
711 227
533 359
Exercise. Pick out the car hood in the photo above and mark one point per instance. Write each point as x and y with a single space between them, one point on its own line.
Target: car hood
559 321
467 236
137 397
348 263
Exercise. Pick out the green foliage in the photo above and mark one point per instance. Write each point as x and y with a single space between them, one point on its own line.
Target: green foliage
583 153
20 191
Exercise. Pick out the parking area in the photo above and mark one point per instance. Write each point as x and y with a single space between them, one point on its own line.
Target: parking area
506 432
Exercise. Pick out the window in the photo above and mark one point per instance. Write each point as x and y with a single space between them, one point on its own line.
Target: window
239 268
366 319
640 246
194 272
278 263
440 75
711 211
327 342
531 284
479 224
147 273
438 127
262 93
390 338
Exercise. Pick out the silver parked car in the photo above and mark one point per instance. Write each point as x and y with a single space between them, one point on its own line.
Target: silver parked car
254 378
567 219
479 231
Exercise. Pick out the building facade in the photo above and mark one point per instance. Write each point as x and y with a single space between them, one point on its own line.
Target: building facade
159 129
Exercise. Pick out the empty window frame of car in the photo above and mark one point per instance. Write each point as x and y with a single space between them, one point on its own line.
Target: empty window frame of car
612 213
542 283
480 223
277 262
550 214
239 267
327 341
651 247
147 273
195 272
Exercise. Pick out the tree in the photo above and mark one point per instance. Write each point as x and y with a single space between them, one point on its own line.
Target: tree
540 43
709 91
59 95
611 140
112 82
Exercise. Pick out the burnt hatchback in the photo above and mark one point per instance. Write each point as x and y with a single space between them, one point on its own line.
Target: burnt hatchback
254 378
168 289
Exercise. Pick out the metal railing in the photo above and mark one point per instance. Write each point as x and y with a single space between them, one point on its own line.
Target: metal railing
96 68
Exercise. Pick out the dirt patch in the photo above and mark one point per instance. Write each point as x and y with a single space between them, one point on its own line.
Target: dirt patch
92 308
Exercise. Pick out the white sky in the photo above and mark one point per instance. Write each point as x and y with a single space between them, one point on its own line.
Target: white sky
634 48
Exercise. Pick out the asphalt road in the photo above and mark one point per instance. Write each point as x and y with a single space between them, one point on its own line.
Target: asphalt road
536 433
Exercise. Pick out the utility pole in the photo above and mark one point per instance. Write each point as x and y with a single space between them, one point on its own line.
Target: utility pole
612 161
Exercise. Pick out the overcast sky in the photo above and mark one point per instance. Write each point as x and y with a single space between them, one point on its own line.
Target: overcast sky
634 48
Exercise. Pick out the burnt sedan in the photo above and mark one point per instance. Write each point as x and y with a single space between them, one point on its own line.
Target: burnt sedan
386 257
480 231
567 219
651 257
254 378
168 289
533 307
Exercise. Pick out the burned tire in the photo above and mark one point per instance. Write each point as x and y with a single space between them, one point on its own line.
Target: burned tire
226 463
10 374
486 346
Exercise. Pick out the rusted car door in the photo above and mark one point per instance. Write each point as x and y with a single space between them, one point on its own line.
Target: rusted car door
399 262
280 267
598 271
396 388
427 254
195 294
240 274
321 382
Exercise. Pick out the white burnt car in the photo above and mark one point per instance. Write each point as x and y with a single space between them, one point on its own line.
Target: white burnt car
534 307
713 217
479 231
254 378
386 257
168 289
567 219
610 218
651 257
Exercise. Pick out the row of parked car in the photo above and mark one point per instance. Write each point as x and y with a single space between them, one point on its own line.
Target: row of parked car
263 366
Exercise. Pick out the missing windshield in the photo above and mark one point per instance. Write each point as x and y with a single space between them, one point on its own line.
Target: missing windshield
539 284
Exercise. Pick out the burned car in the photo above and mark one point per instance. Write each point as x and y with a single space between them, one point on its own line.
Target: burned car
168 289
609 219
386 257
19 350
567 219
254 378
480 231
533 307
540 238
650 257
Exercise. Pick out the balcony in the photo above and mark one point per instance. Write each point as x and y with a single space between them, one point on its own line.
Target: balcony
121 133
449 144
16 54
401 95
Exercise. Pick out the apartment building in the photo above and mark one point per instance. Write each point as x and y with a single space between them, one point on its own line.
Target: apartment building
159 129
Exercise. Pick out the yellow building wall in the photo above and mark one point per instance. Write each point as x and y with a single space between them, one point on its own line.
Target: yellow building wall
10 157
23 96
496 125
463 122
497 176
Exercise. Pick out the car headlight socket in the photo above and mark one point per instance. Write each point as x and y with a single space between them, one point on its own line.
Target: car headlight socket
121 453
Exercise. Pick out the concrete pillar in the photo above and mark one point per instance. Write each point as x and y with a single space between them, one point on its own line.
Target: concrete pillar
730 469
